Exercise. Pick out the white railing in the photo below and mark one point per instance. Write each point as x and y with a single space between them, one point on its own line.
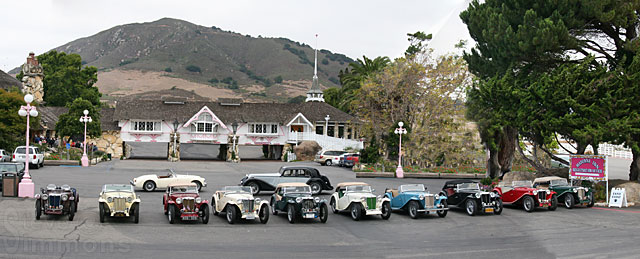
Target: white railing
326 142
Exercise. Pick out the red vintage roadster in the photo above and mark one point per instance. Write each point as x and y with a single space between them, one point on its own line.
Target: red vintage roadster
522 193
183 201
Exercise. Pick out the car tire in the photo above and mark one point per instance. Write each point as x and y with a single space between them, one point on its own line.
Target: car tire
499 207
38 209
554 203
273 206
569 201
205 213
316 188
471 206
77 201
443 213
149 186
332 203
72 211
136 213
264 214
413 209
324 213
356 211
328 162
171 215
198 184
291 213
592 200
386 210
213 207
528 203
255 187
231 214
101 212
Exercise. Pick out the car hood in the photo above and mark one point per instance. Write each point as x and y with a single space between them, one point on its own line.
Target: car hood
240 196
301 195
184 195
264 175
118 194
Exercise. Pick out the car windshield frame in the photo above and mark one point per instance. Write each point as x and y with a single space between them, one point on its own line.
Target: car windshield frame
296 189
184 189
3 166
237 190
523 183
559 182
412 188
468 186
117 188
359 188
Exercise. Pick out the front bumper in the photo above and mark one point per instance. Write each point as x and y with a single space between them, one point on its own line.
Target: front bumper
190 215
373 212
250 215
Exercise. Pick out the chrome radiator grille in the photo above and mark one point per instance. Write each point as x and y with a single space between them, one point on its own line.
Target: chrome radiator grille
542 195
428 200
188 204
119 204
485 198
247 205
581 194
308 204
54 200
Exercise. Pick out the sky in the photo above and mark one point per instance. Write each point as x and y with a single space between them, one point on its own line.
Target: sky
351 27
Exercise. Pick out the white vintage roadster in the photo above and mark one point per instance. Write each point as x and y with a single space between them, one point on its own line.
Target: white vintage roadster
358 198
237 202
150 182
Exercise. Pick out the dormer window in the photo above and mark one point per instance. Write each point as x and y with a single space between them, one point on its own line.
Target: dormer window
204 124
263 128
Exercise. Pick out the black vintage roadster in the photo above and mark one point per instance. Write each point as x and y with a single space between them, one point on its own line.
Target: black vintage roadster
468 195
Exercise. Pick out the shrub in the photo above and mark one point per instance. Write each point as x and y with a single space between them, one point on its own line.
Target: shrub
277 79
325 61
192 68
213 80
168 70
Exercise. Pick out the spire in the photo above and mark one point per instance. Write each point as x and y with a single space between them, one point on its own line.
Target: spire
315 94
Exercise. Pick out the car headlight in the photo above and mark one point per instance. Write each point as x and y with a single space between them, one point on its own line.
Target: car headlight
257 200
179 200
493 194
535 192
198 200
109 199
44 196
548 192
478 195
129 199
421 197
362 199
575 190
298 200
316 199
65 197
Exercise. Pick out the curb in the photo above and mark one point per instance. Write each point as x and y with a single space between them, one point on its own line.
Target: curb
419 175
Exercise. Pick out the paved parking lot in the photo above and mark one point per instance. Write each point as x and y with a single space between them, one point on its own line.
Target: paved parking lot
577 233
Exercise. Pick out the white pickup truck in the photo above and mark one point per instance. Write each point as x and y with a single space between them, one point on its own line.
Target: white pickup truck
36 158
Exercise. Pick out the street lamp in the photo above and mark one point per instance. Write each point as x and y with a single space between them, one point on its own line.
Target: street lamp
326 126
400 131
234 127
175 135
85 119
26 187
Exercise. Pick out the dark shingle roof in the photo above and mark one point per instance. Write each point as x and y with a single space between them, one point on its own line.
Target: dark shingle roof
49 117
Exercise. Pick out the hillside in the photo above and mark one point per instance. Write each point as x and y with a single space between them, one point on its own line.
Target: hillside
7 81
261 68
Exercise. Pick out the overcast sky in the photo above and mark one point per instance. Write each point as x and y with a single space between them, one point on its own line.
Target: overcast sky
354 28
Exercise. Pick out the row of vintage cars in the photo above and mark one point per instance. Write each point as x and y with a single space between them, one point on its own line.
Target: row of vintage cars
294 189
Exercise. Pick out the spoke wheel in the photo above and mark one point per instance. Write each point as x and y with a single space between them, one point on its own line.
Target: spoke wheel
264 214
38 209
324 213
205 213
316 188
213 207
413 209
171 215
332 203
231 214
101 212
568 201
528 203
274 211
72 211
443 213
291 213
499 207
356 211
471 207
255 188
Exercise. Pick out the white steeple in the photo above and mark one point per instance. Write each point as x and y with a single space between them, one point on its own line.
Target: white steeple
315 94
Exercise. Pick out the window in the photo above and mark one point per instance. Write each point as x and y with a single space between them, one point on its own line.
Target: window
204 124
331 130
146 126
263 128
341 131
319 130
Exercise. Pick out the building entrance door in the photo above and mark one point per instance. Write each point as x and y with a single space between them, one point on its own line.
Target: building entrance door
297 128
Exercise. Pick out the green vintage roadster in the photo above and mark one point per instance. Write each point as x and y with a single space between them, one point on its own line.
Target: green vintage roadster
567 194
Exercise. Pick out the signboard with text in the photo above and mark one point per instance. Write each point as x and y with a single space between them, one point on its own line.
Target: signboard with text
588 167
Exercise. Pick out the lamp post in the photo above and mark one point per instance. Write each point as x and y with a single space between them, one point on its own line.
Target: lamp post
175 135
234 127
26 187
400 131
85 119
326 126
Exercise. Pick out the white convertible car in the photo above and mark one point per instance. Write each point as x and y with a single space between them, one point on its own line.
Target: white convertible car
150 182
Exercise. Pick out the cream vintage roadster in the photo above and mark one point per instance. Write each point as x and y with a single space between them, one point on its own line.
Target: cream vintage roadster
237 202
358 198
118 200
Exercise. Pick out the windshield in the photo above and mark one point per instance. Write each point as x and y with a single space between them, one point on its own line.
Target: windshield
412 188
184 189
468 186
237 189
559 182
7 168
297 189
522 183
118 188
359 188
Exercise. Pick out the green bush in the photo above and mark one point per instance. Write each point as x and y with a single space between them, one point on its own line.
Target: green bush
325 61
168 70
192 68
213 80
277 79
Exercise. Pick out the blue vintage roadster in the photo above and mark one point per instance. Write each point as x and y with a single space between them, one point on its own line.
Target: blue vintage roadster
414 199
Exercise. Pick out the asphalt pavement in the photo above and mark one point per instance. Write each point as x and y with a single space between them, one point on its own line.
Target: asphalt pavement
577 233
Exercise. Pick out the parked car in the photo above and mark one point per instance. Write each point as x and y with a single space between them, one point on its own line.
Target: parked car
4 156
359 199
295 199
118 200
568 194
351 160
237 202
150 182
182 201
287 174
57 200
36 158
328 157
11 167
468 195
414 199
522 193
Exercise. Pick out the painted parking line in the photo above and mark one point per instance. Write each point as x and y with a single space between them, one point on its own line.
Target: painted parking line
629 211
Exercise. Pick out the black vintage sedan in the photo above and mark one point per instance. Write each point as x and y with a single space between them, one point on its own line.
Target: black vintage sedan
288 174
468 195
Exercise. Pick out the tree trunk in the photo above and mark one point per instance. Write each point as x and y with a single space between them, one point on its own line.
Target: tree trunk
493 167
634 170
507 149
581 147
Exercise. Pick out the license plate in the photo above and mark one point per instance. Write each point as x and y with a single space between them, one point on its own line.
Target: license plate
250 217
544 205
309 216
190 217
488 210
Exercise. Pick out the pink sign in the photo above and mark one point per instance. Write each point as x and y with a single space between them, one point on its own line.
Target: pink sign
588 167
